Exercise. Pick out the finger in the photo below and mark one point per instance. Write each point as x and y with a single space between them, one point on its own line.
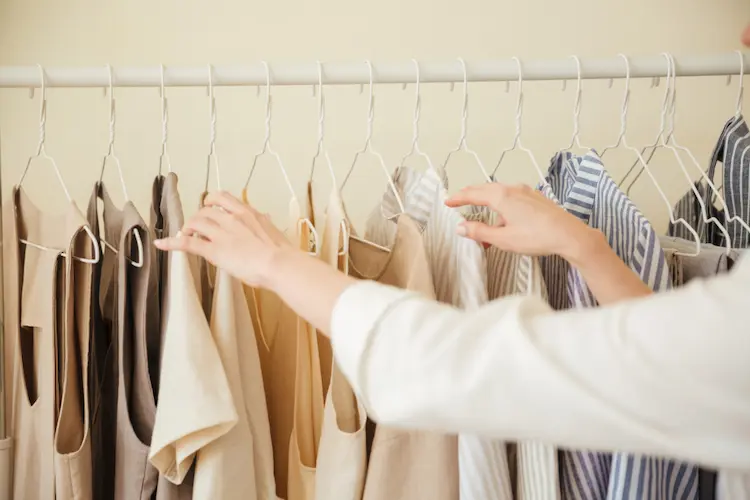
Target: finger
184 243
746 36
203 225
484 195
482 233
225 200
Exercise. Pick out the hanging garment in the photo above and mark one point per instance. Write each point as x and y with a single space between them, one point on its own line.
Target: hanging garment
405 464
11 325
102 374
130 303
712 261
166 219
342 455
49 402
535 468
458 269
290 362
241 458
195 404
590 194
732 150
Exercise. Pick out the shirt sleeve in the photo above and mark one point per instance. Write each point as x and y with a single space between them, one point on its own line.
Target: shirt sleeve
668 375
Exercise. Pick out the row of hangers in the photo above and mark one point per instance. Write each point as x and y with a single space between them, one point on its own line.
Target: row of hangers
665 140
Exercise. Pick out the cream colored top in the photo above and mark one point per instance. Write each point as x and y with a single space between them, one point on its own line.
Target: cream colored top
195 404
610 378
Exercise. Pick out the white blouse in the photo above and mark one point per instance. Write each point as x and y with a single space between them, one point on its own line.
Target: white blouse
667 375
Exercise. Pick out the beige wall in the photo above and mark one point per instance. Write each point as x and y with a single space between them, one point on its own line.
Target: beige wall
143 32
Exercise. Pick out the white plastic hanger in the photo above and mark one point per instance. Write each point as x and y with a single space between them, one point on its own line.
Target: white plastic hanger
517 144
622 141
575 140
369 149
322 151
623 109
665 140
212 141
268 149
111 155
671 141
738 115
164 156
41 153
462 146
415 149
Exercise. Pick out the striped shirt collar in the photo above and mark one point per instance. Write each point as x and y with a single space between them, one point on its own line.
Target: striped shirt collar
576 179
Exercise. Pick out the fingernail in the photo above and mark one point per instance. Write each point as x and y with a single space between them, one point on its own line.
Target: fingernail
159 242
461 230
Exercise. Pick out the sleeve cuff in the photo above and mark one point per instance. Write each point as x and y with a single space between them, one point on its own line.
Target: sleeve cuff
354 320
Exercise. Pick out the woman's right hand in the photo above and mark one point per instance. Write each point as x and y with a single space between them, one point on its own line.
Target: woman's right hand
527 223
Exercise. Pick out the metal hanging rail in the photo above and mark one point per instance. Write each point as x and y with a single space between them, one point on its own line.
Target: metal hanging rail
357 72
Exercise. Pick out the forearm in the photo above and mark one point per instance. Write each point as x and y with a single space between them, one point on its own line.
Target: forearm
617 377
606 275
307 285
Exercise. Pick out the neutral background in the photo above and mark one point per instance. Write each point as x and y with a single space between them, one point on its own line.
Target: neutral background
144 32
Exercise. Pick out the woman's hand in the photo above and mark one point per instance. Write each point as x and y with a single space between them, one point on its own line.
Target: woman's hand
233 236
531 224
527 222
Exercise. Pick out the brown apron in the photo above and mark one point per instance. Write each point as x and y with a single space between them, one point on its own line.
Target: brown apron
131 302
102 374
195 406
52 449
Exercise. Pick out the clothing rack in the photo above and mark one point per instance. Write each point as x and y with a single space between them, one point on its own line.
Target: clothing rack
404 72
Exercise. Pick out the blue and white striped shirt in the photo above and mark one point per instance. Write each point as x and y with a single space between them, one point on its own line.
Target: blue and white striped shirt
587 191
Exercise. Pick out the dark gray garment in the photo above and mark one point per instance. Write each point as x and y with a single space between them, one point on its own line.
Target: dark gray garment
733 150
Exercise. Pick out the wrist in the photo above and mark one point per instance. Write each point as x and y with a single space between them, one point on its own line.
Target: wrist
584 246
278 262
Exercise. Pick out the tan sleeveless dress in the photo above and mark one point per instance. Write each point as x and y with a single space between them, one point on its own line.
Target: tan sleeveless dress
290 363
49 404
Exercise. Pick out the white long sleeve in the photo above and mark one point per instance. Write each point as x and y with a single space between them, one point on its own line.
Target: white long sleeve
668 375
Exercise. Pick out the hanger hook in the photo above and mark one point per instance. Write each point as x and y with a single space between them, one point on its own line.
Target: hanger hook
519 101
267 138
212 139
370 106
164 122
577 105
741 90
465 104
112 111
42 110
626 95
673 99
417 102
666 101
321 104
